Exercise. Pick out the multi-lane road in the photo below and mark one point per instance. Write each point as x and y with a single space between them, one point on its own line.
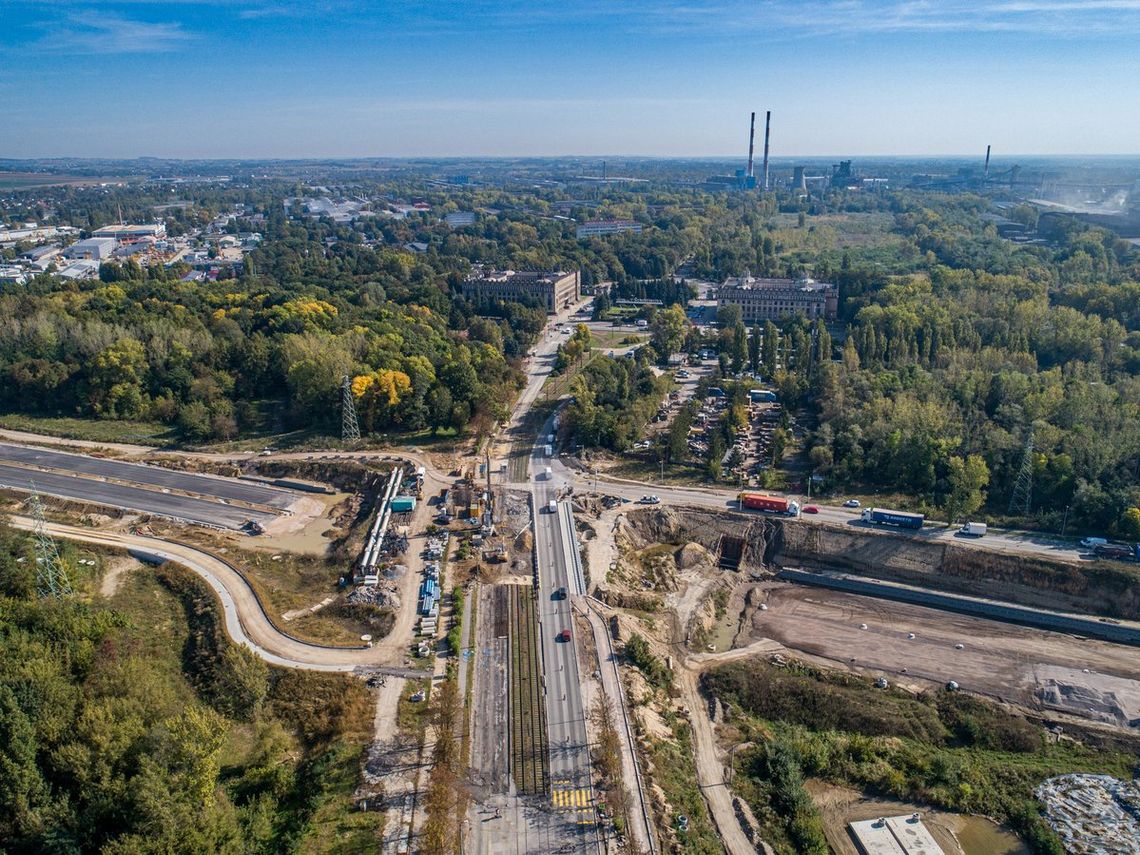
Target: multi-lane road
94 491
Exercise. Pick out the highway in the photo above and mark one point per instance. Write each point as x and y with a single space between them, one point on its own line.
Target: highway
129 498
229 489
571 791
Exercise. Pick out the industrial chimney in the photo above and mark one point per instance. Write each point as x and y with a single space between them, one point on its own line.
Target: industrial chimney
986 173
751 140
767 130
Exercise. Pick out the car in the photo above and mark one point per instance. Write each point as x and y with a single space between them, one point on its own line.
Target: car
811 509
1091 542
851 503
564 635
649 500
560 593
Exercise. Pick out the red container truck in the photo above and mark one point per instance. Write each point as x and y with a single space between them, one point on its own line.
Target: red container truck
770 504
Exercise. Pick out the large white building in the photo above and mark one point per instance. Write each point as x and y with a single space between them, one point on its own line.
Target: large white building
607 227
772 299
125 233
555 289
93 248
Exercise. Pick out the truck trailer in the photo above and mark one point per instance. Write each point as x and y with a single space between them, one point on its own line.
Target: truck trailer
1117 551
902 519
769 504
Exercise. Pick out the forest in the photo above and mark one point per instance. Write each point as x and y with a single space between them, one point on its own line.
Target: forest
132 725
954 351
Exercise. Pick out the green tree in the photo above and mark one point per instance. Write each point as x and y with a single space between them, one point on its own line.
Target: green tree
667 331
769 349
967 478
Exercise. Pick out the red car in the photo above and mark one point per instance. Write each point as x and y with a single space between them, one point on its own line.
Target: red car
564 635
811 509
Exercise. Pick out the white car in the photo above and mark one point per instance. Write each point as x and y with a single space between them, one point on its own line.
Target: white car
851 503
649 500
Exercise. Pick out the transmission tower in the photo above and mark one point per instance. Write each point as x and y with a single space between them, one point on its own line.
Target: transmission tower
349 427
1023 489
51 574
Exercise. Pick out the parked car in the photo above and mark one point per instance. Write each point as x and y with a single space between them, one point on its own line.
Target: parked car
811 509
851 503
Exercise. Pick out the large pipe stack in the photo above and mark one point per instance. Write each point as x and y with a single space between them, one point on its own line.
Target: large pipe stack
375 541
751 141
767 130
986 172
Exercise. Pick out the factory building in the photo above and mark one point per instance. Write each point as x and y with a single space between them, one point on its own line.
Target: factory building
554 289
591 228
772 299
93 248
125 233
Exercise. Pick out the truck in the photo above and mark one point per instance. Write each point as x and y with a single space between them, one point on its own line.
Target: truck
769 504
1117 551
548 450
974 529
879 516
548 474
552 507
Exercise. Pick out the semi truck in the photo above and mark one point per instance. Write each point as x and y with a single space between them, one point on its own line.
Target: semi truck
769 504
879 516
1117 551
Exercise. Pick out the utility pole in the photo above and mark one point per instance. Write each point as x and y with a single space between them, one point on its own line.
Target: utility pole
349 427
52 579
1023 490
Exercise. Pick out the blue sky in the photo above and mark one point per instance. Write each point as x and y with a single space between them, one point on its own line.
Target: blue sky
339 78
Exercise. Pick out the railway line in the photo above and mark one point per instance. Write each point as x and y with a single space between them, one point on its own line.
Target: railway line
530 766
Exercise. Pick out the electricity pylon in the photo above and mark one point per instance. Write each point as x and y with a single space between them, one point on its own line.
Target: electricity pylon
1023 488
349 427
52 579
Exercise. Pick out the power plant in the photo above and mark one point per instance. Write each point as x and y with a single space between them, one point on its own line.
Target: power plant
745 179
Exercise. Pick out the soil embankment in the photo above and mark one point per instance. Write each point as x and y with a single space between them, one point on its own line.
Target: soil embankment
1090 587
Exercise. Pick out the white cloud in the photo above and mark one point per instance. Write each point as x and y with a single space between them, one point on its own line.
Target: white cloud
93 32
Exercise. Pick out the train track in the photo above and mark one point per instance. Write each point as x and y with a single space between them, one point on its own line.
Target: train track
529 758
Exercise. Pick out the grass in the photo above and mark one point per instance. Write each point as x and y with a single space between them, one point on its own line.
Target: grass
92 430
412 716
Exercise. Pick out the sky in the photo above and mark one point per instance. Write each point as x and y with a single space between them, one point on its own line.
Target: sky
438 78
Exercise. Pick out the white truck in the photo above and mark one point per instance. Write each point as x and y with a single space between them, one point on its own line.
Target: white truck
548 474
552 507
974 529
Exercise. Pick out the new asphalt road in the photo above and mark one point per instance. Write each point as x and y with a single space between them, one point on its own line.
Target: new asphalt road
137 473
138 499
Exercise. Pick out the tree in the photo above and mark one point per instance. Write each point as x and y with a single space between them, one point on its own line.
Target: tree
667 331
739 347
967 478
769 354
439 406
754 348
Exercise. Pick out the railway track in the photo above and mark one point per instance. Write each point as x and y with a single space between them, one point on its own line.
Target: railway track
529 758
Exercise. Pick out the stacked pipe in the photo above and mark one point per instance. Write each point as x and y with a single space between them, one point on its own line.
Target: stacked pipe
375 541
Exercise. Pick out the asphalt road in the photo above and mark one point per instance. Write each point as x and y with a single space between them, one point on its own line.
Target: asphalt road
571 792
1020 542
129 498
137 473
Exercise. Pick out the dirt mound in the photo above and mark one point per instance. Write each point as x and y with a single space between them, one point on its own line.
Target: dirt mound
524 542
691 555
641 601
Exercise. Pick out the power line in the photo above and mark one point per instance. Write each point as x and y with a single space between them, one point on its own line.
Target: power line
52 579
1023 488
349 427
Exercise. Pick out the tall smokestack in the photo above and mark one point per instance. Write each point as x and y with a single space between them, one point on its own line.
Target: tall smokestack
751 141
986 173
767 130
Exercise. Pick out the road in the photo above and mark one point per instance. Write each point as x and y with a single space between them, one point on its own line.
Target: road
230 489
129 498
1018 542
571 789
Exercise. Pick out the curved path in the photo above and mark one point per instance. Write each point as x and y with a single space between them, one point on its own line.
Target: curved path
246 621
